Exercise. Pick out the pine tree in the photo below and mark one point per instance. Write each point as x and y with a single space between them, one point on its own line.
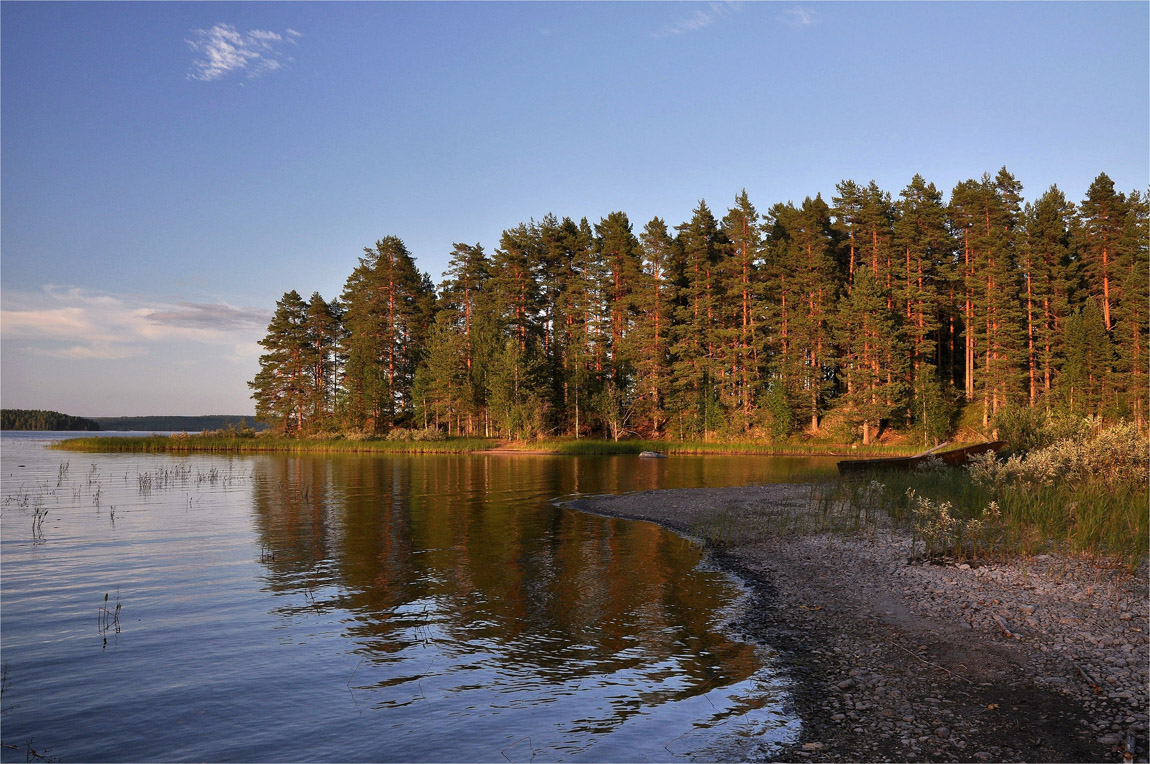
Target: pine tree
873 353
927 253
1049 271
695 344
847 211
1085 376
513 279
1102 213
743 229
389 308
655 301
325 335
618 253
468 274
801 248
282 386
1131 319
578 306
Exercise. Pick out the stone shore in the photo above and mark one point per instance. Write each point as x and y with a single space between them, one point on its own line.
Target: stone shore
892 659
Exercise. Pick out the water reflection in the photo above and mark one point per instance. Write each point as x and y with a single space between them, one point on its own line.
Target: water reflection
368 609
463 585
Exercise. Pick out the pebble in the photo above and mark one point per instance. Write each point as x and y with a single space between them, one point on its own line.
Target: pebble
1072 616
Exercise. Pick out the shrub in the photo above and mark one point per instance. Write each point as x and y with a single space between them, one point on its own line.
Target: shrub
1119 454
1027 429
412 435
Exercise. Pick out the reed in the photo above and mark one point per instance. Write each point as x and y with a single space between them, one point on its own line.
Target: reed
108 618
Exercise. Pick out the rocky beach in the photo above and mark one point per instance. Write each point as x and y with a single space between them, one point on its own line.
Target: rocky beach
897 659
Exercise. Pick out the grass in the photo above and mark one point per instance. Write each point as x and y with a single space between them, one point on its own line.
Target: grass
1100 520
592 447
566 446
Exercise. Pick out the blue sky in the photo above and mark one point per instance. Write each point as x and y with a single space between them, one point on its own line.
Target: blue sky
169 170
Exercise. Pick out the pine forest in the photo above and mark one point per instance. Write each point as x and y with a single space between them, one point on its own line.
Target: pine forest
849 318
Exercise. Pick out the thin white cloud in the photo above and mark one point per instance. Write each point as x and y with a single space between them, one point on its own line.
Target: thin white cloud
77 324
222 51
193 315
701 19
800 17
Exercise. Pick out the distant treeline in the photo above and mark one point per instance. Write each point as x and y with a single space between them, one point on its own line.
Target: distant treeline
174 423
840 318
35 419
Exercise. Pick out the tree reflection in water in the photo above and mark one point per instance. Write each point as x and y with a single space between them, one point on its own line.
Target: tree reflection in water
483 614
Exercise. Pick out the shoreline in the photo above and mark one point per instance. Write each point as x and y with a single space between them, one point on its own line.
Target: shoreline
185 444
1040 659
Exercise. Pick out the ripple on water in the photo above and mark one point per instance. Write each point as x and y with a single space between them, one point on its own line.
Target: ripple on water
370 609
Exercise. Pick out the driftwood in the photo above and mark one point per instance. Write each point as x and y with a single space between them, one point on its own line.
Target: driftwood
1006 629
1094 683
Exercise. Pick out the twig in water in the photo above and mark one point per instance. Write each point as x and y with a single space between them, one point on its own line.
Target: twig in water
349 691
517 742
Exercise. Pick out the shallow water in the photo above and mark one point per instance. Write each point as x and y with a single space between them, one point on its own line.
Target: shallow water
367 608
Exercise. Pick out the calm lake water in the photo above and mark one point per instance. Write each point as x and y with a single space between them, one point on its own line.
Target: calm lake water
366 608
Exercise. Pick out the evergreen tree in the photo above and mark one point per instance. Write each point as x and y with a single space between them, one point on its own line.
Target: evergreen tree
1131 319
1102 215
927 253
742 227
513 279
1049 270
873 353
801 246
325 335
655 301
389 306
695 342
1086 370
453 340
848 214
282 386
620 271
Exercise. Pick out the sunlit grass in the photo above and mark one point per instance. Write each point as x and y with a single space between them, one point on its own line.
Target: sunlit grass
1102 520
588 446
216 443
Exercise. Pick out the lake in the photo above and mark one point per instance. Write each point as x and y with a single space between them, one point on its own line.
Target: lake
369 608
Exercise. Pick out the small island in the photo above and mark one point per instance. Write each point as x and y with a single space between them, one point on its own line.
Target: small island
37 419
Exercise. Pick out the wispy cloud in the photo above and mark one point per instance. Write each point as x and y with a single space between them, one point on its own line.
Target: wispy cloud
194 315
800 17
222 51
75 323
702 18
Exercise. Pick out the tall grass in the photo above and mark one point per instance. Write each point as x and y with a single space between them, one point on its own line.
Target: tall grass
1023 505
